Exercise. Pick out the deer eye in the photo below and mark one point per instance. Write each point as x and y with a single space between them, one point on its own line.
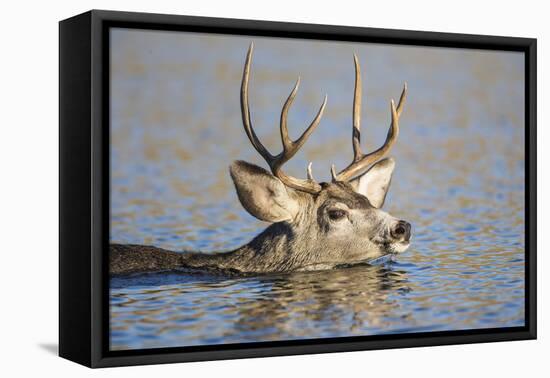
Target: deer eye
336 214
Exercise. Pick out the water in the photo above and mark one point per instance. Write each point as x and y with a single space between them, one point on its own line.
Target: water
459 180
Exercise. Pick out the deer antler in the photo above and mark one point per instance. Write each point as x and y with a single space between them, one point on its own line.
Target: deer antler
362 161
290 147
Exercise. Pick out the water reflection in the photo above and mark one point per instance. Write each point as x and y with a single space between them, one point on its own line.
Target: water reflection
331 303
350 300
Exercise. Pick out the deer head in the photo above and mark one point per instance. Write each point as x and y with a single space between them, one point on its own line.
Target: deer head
327 223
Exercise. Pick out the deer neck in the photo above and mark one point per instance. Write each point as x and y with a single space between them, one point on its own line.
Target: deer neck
280 247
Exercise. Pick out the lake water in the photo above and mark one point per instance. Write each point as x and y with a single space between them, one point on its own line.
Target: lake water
459 180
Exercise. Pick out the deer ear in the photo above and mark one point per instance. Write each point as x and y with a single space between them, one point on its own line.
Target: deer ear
374 184
262 194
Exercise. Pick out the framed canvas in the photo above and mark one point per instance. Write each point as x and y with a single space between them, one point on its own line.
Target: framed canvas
225 188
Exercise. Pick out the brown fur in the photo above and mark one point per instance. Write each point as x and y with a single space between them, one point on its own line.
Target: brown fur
309 240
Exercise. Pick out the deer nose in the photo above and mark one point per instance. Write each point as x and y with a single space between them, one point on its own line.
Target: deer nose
401 230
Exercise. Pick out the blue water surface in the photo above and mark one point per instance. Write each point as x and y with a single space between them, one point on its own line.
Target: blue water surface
176 126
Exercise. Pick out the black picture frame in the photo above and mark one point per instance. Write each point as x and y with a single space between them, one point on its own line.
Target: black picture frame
84 187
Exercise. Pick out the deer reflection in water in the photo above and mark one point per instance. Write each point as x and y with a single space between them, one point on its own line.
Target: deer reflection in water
343 302
345 299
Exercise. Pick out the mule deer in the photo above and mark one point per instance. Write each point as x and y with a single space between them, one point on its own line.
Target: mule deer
314 225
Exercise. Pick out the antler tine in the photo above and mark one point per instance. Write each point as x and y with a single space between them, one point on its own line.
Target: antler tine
402 100
290 147
333 173
362 161
310 171
357 112
287 143
245 110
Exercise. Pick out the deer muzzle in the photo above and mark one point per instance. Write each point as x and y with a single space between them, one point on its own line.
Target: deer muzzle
401 231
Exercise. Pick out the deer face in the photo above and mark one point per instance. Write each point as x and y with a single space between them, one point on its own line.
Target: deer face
351 221
340 224
324 223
